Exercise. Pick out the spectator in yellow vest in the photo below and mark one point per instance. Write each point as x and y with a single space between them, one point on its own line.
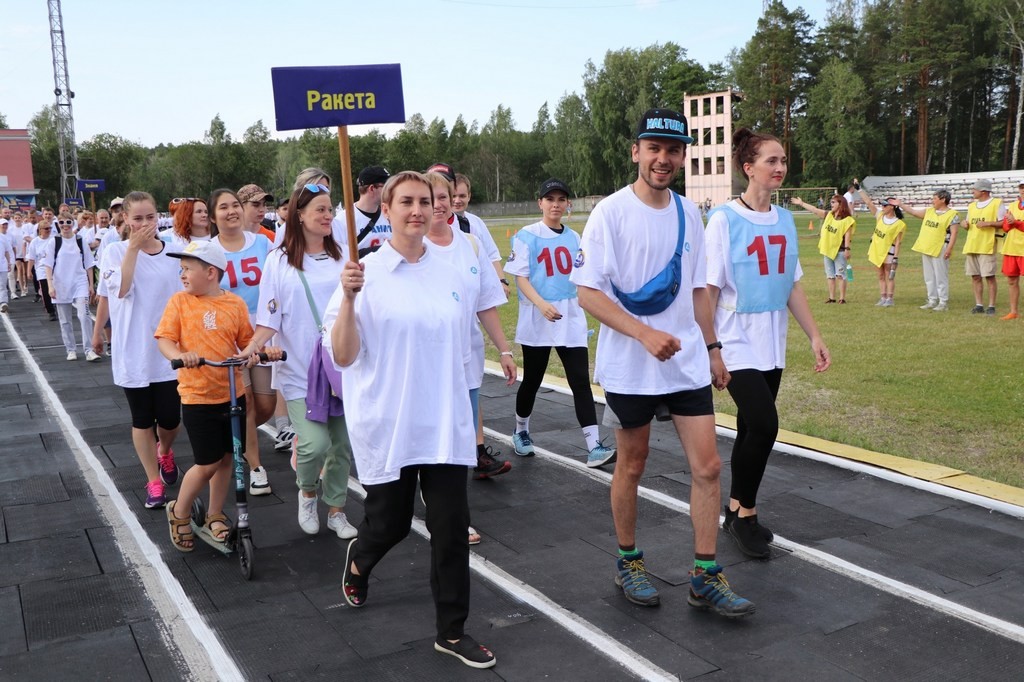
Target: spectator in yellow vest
1013 251
984 216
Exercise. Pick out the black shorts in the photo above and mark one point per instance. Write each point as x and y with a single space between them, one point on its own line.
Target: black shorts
632 411
209 430
157 403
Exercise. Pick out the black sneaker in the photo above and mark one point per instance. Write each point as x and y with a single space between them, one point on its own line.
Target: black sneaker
977 309
731 516
468 651
37 298
747 534
488 466
353 587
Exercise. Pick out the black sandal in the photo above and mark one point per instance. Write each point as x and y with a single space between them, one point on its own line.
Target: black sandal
830 300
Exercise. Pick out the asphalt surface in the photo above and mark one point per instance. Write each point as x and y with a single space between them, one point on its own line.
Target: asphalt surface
869 579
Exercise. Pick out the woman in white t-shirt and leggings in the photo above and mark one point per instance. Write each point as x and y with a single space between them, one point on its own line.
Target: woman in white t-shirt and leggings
402 336
753 279
308 256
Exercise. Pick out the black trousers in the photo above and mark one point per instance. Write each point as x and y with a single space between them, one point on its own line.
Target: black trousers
388 518
576 362
757 425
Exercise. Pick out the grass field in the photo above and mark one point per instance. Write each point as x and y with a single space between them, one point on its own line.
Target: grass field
940 387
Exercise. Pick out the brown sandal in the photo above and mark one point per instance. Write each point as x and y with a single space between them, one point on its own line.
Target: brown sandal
178 536
218 535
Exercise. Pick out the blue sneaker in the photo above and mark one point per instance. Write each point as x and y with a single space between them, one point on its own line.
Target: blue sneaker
636 585
523 444
710 590
600 455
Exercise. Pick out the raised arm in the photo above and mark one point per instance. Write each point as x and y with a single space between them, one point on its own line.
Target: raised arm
821 213
916 212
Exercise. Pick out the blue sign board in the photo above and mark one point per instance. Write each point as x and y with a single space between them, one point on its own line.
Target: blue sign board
91 185
74 202
326 96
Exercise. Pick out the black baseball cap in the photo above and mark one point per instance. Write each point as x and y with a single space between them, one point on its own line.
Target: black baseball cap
552 185
371 175
663 123
444 169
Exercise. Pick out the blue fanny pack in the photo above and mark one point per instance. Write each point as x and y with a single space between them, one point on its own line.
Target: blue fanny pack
657 295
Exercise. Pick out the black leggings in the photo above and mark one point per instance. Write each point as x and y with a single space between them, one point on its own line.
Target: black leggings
157 403
757 425
43 287
576 362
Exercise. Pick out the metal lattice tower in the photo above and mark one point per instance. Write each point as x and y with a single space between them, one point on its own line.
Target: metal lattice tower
65 117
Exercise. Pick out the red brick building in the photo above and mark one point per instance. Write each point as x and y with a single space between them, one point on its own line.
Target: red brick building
16 184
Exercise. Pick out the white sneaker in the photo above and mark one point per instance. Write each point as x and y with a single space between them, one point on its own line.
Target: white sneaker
72 355
338 522
258 483
309 519
881 302
3 307
91 355
929 305
940 308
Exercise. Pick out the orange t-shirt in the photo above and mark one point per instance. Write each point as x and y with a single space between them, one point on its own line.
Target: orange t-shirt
213 327
269 234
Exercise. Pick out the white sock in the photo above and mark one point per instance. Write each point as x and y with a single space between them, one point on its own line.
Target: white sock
522 424
281 421
591 434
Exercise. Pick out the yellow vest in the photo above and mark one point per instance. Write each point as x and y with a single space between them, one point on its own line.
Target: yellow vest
1013 245
832 233
882 238
934 228
981 239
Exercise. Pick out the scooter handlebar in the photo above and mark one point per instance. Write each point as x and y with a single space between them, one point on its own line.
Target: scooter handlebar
178 364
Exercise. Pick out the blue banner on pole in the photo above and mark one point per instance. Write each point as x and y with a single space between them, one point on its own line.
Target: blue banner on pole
92 185
326 96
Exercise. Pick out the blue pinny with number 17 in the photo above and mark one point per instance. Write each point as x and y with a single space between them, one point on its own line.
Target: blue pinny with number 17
764 259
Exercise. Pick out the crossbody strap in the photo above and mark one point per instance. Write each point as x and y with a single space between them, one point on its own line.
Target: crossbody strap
309 298
682 225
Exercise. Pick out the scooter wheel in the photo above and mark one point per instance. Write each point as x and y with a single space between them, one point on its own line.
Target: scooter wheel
198 512
246 557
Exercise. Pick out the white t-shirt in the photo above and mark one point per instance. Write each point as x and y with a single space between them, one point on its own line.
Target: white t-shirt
378 235
16 236
135 360
178 244
71 269
481 284
627 242
28 233
533 329
36 252
406 394
111 237
749 340
478 228
283 307
6 253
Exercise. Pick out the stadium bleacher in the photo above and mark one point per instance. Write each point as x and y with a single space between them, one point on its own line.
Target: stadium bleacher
918 189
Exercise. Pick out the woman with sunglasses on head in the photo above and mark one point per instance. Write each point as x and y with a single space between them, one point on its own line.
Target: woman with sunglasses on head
68 265
939 227
400 327
754 282
298 280
884 249
191 222
317 176
36 255
246 254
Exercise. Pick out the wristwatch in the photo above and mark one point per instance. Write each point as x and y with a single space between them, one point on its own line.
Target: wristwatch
504 281
716 344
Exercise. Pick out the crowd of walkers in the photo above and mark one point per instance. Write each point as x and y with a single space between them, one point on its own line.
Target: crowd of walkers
385 349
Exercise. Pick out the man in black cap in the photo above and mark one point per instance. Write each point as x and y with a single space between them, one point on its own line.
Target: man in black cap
657 353
372 228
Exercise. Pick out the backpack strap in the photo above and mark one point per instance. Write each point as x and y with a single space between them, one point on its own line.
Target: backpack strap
463 223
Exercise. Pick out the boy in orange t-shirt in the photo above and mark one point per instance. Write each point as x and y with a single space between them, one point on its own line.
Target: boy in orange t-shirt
204 321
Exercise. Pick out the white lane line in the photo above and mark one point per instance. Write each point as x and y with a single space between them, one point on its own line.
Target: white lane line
878 581
585 630
1000 506
196 644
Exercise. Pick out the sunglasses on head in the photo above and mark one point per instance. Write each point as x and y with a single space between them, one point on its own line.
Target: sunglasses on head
181 200
317 188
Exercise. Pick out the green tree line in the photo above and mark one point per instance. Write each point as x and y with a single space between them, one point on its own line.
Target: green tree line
883 86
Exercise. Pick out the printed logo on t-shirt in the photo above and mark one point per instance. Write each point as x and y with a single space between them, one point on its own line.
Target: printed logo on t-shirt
473 270
107 274
511 256
455 295
272 306
210 320
578 263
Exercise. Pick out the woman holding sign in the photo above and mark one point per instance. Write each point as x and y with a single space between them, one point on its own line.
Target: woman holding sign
753 279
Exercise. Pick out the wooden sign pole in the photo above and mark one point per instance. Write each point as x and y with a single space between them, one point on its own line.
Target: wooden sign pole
346 186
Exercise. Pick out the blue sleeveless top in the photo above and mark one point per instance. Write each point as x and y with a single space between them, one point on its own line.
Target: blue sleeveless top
245 270
764 260
551 264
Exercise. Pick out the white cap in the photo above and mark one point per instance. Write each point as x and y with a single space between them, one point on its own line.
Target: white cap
208 252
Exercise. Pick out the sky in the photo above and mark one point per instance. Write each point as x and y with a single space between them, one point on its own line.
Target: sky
157 71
